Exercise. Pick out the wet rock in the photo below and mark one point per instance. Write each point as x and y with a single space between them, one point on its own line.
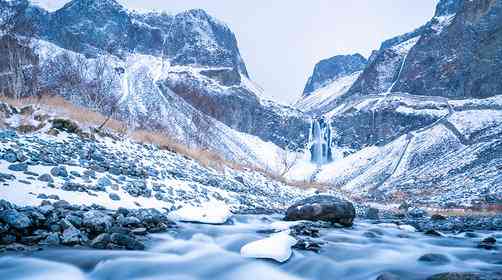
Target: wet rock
322 208
434 259
15 219
126 241
130 222
97 221
467 276
438 217
372 213
59 171
488 243
101 241
72 236
52 239
433 232
416 213
308 245
388 276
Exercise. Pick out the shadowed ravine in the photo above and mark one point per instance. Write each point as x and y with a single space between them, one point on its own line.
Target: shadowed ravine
197 251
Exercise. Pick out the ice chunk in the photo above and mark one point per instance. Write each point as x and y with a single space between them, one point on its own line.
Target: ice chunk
276 247
407 228
209 213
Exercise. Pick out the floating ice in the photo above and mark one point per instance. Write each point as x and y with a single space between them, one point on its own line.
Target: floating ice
276 247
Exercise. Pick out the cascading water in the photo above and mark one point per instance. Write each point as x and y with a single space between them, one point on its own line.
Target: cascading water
320 140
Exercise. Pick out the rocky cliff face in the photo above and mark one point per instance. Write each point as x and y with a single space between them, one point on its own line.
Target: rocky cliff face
462 59
333 68
198 57
423 119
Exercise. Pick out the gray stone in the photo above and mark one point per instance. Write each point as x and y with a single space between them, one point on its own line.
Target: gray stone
101 241
114 196
322 208
434 259
59 171
45 178
97 221
18 167
15 219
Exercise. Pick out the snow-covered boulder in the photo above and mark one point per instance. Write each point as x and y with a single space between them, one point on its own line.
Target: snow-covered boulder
210 213
276 247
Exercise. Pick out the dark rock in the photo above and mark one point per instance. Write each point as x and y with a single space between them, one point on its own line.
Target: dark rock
114 196
54 197
42 196
52 239
18 167
434 259
73 236
488 243
388 276
61 204
66 125
45 178
101 241
416 213
10 157
59 171
15 219
322 208
433 232
372 213
467 276
308 245
438 217
126 241
97 221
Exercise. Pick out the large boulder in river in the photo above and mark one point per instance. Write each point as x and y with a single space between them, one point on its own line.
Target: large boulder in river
322 208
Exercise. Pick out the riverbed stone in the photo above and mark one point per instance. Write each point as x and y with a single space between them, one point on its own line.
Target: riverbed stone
434 259
15 219
97 221
322 208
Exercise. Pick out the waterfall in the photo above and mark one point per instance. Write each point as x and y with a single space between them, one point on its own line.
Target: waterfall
320 141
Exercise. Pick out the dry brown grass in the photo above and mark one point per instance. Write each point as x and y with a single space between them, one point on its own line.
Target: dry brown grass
61 108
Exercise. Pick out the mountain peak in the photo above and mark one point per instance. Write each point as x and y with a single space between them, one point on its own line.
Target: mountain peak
331 68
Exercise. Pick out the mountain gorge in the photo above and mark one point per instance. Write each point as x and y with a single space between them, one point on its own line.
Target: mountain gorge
145 132
412 109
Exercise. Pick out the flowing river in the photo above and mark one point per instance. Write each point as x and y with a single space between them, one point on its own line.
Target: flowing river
198 251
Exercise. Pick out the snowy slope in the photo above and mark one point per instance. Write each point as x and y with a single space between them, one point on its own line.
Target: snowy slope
455 158
145 103
318 99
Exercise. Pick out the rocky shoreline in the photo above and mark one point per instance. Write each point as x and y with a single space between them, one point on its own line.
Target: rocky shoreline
61 224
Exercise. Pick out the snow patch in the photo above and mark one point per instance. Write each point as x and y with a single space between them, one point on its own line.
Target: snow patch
209 213
276 247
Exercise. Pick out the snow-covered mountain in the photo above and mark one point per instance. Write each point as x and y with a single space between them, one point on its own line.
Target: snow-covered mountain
331 78
423 119
167 73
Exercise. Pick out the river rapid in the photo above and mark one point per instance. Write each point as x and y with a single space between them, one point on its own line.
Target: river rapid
199 251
